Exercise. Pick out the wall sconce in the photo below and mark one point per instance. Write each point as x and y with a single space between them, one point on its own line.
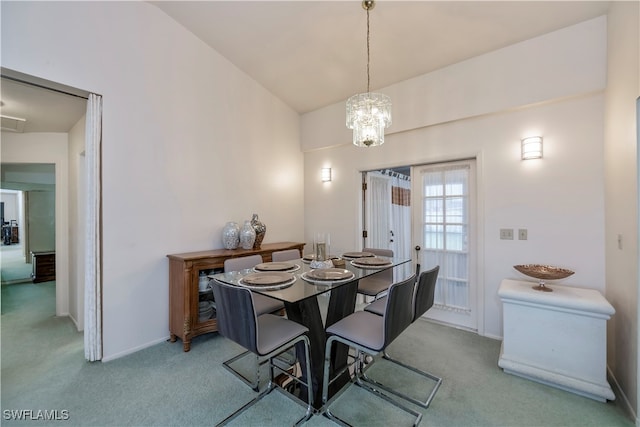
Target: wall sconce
532 148
326 174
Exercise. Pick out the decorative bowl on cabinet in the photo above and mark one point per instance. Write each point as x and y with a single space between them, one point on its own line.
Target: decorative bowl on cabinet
543 273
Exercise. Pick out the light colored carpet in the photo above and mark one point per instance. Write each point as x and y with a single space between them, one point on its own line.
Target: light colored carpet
43 368
13 268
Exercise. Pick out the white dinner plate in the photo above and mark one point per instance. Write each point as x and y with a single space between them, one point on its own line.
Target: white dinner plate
305 277
371 262
277 266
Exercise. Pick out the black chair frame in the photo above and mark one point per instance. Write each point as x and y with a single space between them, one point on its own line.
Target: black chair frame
423 301
244 329
255 384
399 301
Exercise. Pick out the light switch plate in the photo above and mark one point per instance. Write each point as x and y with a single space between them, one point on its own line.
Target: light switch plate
522 234
506 233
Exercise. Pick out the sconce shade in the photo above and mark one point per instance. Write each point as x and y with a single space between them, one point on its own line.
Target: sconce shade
326 174
532 148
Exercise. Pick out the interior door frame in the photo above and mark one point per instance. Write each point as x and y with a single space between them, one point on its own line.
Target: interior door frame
480 222
470 320
62 202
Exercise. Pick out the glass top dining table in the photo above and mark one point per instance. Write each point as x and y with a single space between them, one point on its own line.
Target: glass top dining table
306 287
299 297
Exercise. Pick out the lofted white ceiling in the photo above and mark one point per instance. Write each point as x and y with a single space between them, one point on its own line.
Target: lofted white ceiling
313 53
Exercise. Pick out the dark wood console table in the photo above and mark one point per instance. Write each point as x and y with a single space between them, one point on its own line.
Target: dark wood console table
44 266
184 296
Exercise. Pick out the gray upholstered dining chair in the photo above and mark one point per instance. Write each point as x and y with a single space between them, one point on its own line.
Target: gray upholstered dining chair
423 299
262 305
286 255
376 284
370 334
266 336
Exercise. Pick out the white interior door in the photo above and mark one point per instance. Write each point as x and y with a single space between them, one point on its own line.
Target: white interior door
443 199
388 216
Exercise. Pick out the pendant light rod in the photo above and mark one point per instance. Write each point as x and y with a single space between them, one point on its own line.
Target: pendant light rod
368 5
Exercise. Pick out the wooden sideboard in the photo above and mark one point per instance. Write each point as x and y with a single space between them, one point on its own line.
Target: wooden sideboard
44 266
184 295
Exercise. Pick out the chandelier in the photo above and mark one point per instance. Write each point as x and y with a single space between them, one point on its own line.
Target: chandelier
368 114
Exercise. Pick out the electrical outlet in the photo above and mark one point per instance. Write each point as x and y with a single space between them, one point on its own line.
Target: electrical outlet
522 234
506 233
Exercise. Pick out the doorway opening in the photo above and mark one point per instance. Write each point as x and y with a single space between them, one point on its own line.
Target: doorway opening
63 144
427 212
28 225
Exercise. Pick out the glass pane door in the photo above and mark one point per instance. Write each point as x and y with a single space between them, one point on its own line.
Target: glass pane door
444 221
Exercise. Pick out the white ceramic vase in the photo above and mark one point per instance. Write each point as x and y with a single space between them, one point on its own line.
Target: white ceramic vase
247 235
231 235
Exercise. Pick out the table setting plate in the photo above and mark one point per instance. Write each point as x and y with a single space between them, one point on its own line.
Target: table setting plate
328 276
312 257
356 255
374 262
267 280
276 266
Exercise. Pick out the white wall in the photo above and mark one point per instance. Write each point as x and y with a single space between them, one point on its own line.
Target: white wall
41 220
189 143
48 148
559 199
76 224
621 174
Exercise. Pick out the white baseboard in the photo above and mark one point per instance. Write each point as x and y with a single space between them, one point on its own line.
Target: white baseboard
493 337
620 394
75 322
134 349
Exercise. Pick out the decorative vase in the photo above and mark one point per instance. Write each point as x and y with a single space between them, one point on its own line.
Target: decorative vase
247 235
260 230
231 235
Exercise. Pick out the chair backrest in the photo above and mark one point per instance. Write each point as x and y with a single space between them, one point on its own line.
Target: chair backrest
384 274
286 255
242 263
425 291
398 313
236 315
379 252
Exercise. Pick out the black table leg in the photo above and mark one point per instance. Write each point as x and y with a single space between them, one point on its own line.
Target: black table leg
307 312
341 304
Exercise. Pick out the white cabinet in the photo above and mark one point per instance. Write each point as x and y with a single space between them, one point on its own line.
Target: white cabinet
557 338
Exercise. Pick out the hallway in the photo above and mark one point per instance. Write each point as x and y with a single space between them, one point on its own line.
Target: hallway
13 268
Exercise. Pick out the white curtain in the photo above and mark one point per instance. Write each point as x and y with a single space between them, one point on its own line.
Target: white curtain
379 211
93 244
